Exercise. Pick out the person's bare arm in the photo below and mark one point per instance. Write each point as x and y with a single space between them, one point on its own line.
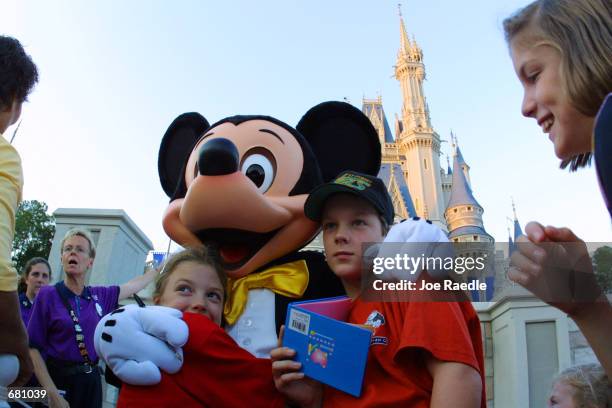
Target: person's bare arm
137 284
593 314
455 385
43 377
14 339
595 322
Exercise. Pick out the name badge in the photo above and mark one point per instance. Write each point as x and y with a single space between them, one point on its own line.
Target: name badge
98 309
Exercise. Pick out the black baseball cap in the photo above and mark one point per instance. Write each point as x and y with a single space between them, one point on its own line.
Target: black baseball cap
370 188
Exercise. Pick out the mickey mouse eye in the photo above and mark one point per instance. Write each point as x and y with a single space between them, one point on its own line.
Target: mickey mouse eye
259 166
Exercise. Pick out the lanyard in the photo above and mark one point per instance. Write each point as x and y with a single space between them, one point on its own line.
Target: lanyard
80 337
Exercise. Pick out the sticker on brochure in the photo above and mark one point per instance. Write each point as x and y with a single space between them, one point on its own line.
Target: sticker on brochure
299 321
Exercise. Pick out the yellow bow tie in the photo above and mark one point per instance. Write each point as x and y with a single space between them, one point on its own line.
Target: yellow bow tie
290 280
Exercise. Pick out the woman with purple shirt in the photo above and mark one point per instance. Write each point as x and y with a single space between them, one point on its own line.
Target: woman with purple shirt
36 274
63 321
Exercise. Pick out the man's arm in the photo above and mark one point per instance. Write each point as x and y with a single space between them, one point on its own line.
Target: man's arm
14 339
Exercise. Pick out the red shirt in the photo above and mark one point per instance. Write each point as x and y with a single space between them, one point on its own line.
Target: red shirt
396 374
216 373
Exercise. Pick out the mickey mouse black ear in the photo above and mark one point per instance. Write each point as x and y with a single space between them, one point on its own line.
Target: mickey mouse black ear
177 143
603 150
342 138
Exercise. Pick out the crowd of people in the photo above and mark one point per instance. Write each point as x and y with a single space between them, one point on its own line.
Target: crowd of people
562 54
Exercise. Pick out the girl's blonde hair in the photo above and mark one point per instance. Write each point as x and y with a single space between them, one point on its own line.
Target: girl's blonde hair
581 30
202 256
590 386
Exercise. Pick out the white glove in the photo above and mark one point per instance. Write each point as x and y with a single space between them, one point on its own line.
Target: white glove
416 239
135 342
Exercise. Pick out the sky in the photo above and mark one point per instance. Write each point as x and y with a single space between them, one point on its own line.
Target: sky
114 74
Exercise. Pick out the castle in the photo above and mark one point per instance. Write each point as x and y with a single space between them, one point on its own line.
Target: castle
532 340
411 169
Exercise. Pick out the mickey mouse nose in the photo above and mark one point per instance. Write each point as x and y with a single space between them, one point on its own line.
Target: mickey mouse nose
218 157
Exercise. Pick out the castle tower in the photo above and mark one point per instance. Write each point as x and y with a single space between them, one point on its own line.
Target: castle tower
391 171
417 143
517 226
464 166
373 109
447 181
463 213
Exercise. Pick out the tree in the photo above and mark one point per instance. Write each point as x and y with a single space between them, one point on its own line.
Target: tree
602 260
34 230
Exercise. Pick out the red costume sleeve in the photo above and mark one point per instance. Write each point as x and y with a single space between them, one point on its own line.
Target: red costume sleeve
216 373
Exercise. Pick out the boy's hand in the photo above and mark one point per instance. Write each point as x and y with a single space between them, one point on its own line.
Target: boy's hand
299 389
554 264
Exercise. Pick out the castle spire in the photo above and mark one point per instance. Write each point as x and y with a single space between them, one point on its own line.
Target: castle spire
463 213
462 164
459 157
461 193
517 226
511 245
404 40
410 72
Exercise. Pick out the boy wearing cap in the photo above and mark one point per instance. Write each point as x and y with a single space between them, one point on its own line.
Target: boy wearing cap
422 354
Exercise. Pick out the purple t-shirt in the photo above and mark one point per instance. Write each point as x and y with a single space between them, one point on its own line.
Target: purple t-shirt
26 308
51 329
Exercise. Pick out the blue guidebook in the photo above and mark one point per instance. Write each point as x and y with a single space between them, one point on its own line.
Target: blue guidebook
330 350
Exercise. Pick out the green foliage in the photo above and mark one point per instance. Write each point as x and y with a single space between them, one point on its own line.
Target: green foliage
34 230
602 261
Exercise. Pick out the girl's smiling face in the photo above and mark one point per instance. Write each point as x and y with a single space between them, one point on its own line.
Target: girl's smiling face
196 288
537 66
562 396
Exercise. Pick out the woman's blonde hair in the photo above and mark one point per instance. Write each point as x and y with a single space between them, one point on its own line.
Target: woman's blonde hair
202 256
77 232
590 386
581 30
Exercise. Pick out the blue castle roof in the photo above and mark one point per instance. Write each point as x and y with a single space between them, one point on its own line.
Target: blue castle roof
376 108
461 193
517 229
386 170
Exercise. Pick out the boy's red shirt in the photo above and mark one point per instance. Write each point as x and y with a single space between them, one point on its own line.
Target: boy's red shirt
406 332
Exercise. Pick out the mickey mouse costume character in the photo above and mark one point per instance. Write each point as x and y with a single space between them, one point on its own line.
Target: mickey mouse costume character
602 141
240 187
